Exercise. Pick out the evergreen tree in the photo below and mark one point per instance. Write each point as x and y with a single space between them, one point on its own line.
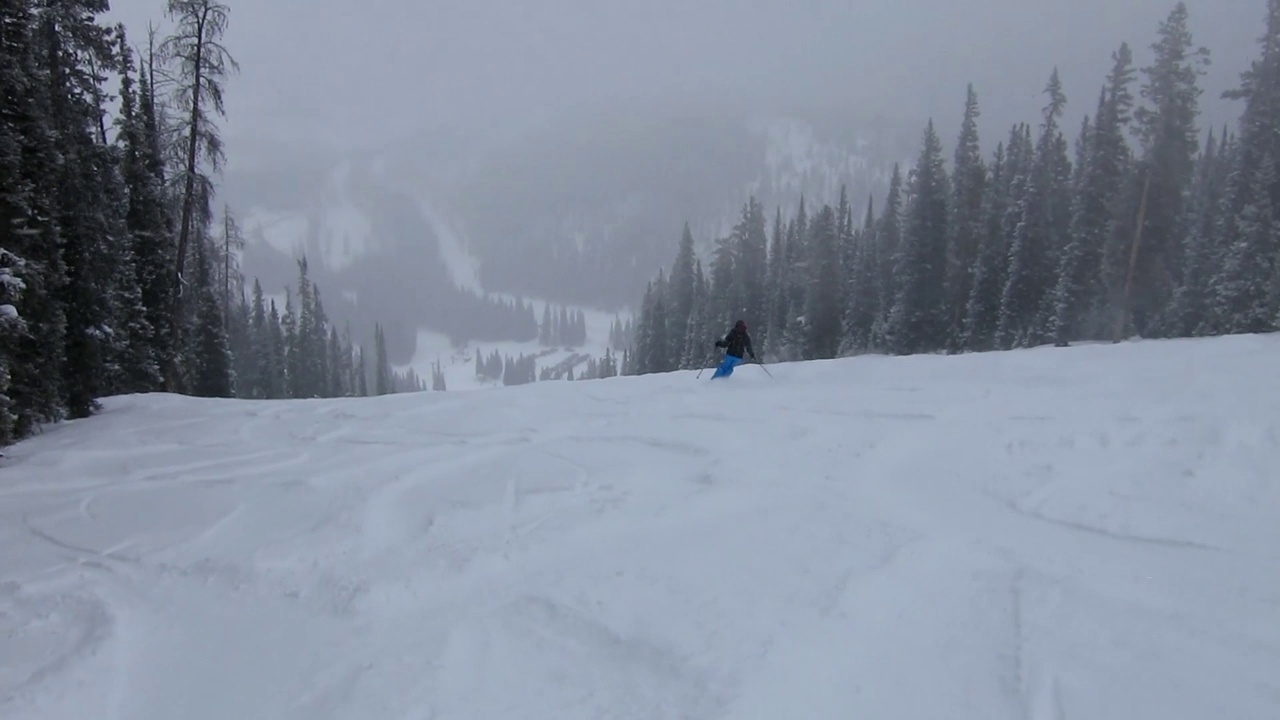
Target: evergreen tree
240 339
292 360
1090 269
1245 288
776 309
73 46
255 384
799 274
139 360
723 299
275 382
823 306
12 327
990 266
750 269
384 382
1190 313
335 387
966 225
916 321
1039 234
362 375
887 243
697 345
682 291
1170 142
30 235
211 374
862 298
150 222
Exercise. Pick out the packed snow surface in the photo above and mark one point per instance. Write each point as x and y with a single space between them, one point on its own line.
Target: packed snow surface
1086 533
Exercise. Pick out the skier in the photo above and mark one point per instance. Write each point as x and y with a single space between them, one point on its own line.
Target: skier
734 343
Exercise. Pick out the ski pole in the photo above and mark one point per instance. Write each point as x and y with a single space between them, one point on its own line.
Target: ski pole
765 369
713 362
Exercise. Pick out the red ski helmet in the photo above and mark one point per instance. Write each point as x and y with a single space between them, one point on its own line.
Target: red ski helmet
741 325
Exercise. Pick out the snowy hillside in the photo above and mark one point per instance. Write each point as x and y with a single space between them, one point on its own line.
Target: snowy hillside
456 361
583 212
1086 533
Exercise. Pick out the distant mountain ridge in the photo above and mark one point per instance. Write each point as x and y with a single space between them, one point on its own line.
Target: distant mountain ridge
579 214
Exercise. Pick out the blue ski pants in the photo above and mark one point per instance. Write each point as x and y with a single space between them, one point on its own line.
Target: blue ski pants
727 366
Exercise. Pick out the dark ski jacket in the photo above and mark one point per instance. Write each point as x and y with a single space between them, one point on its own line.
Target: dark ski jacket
736 341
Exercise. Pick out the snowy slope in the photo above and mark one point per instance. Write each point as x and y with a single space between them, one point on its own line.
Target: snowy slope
457 362
1088 533
335 230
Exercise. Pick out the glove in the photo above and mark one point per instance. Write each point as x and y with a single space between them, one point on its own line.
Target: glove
721 343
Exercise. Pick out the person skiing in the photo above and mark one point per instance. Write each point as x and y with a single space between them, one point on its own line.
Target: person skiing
734 344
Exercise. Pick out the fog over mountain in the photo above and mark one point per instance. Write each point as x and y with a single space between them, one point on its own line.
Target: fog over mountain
554 149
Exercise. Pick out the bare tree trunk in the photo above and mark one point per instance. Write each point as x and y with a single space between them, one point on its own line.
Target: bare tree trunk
188 196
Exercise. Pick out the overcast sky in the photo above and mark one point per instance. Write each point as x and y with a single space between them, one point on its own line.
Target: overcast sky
350 72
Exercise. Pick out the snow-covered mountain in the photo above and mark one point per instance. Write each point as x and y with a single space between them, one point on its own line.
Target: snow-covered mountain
1088 532
582 214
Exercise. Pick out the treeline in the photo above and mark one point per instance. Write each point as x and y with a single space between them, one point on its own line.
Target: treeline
562 328
114 276
622 334
297 353
466 316
1139 229
523 369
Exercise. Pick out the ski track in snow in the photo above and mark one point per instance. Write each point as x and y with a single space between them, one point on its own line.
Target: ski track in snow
1090 533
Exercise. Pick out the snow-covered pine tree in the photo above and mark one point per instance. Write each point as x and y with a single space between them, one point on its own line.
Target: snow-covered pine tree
362 375
1090 269
292 358
1167 128
384 381
73 50
698 341
240 339
750 265
798 276
210 367
862 289
888 241
1247 289
681 296
915 321
336 366
657 346
1043 216
965 226
1190 310
134 358
12 327
990 265
823 297
319 366
275 381
847 252
150 222
776 307
723 299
